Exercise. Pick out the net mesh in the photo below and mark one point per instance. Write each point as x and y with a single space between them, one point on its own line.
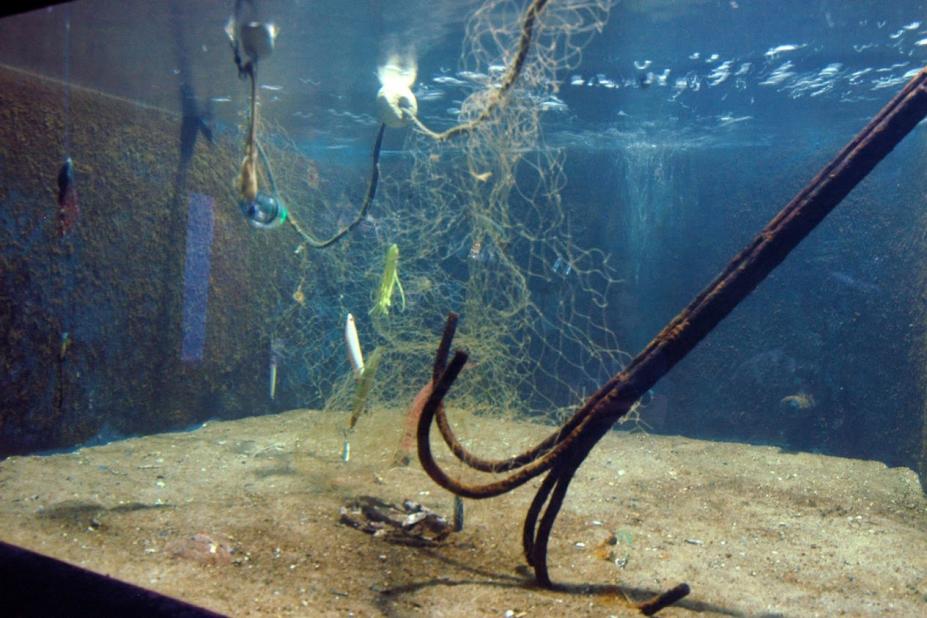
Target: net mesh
481 230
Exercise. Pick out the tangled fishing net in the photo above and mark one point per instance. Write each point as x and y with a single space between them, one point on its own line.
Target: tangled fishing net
481 229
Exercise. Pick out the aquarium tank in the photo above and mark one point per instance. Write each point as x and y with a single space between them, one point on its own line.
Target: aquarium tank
463 307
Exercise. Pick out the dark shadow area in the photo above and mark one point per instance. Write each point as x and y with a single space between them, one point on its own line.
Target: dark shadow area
36 585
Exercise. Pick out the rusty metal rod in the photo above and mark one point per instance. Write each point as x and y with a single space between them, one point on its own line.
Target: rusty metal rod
741 276
770 247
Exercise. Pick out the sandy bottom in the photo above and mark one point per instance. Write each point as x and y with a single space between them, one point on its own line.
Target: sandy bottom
242 517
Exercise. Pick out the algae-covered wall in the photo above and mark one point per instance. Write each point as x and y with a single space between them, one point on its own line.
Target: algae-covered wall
94 315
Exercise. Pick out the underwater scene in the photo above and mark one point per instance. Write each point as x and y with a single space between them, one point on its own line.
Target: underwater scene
504 308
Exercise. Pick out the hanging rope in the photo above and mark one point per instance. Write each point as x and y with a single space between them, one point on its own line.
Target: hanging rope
498 96
310 239
248 185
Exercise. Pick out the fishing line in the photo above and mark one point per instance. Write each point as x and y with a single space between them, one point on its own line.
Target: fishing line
66 217
67 81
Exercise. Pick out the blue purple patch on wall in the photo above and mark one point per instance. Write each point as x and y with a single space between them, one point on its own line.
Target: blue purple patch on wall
196 276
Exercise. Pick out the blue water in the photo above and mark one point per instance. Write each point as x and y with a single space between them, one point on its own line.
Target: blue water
685 127
735 70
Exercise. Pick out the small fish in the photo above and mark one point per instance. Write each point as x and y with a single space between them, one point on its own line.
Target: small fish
484 254
389 282
481 177
852 283
65 179
830 70
68 210
475 249
779 75
65 345
473 76
562 266
429 95
798 401
352 341
448 80
273 377
299 297
553 104
772 52
277 347
729 119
